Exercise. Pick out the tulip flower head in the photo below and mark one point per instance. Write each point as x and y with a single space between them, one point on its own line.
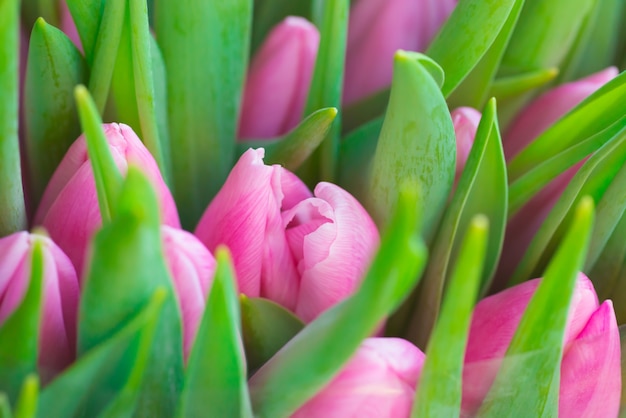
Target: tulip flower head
379 381
69 207
590 367
278 80
304 251
57 331
465 121
192 267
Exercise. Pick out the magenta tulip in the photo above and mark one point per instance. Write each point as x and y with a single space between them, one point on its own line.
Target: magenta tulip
57 333
379 381
377 29
278 80
69 207
590 369
465 121
302 251
192 267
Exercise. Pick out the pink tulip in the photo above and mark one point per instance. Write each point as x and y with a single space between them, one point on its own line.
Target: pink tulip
379 381
279 79
304 252
377 29
57 333
69 207
465 121
192 267
590 369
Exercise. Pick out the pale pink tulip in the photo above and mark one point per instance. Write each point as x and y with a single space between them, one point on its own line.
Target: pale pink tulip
305 252
377 29
192 268
379 381
590 370
465 121
57 333
278 80
69 207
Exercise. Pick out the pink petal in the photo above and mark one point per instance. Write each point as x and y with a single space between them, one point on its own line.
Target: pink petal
465 121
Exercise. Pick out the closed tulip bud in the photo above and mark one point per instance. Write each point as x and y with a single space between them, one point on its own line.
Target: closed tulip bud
192 268
379 381
57 331
302 251
69 208
590 368
278 80
377 29
465 121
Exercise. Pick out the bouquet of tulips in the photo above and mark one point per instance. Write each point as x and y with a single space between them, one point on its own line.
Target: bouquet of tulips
312 208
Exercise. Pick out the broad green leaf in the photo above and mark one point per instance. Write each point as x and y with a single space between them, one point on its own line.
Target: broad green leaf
216 380
439 391
205 49
107 176
127 266
266 327
597 41
598 111
607 268
86 15
26 406
467 35
591 179
269 13
331 17
416 144
316 354
357 114
529 376
5 407
474 88
512 86
19 334
482 189
544 34
12 209
294 148
55 67
355 157
98 376
531 182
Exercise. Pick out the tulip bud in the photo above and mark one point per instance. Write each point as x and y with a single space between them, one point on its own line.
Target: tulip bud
379 381
465 121
550 107
590 372
377 29
192 268
305 253
57 332
279 79
69 207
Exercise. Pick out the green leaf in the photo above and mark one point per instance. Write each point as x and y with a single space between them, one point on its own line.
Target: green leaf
439 391
12 209
356 114
598 111
215 385
331 17
98 376
5 407
474 88
528 379
591 179
19 335
316 354
294 148
107 176
482 189
607 269
55 67
26 406
268 13
205 49
266 327
127 266
467 35
86 15
417 142
515 85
